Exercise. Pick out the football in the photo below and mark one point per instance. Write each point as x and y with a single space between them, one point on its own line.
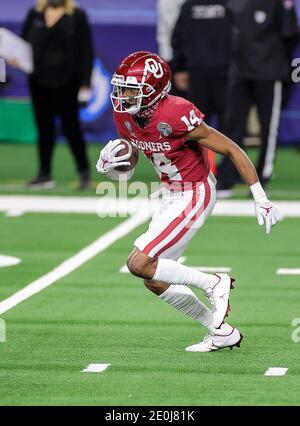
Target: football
134 155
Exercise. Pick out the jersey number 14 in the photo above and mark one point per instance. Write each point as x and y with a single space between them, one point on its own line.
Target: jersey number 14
190 122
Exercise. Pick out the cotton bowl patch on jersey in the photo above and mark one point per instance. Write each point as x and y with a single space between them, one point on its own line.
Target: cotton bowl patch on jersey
164 129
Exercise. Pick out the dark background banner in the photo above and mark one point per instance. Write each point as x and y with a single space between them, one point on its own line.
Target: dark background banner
120 28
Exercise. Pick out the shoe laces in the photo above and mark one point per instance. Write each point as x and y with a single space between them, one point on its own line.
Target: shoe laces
208 337
209 294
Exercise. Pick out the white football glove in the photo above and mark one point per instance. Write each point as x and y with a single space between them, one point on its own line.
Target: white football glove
108 160
267 213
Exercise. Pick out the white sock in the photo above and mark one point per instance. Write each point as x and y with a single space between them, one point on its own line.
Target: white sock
183 299
171 272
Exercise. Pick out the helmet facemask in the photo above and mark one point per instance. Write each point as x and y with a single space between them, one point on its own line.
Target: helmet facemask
123 103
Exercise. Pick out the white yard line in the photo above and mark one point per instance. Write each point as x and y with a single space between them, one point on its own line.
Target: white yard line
288 271
276 371
104 206
220 269
14 205
124 269
96 368
246 208
73 262
217 269
8 261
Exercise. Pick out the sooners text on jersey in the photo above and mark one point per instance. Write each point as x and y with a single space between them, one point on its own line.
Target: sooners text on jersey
162 140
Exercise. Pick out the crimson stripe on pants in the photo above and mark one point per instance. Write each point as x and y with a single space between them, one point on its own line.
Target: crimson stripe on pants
187 227
173 224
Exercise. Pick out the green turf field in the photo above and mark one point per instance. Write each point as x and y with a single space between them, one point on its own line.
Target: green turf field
18 164
96 314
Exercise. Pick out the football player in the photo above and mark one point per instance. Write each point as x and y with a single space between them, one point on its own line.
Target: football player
172 133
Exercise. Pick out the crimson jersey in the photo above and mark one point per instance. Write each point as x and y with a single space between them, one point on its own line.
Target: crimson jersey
162 140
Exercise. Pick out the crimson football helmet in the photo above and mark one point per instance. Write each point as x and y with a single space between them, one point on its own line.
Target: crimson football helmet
149 77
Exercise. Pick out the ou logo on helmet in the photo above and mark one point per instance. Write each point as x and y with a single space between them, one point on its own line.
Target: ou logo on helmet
151 65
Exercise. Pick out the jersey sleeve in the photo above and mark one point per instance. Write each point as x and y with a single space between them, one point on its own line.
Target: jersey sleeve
120 126
185 117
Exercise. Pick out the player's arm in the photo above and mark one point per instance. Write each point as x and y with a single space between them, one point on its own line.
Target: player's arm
217 142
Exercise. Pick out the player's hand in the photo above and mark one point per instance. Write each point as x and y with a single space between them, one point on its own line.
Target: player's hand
267 213
108 159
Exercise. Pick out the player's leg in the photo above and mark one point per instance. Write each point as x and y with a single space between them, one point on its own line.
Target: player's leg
219 90
199 92
239 98
181 216
268 96
152 259
69 112
168 271
184 300
44 112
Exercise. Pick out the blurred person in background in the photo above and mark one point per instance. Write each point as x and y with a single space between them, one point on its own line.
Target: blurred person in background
168 12
264 34
61 39
201 56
